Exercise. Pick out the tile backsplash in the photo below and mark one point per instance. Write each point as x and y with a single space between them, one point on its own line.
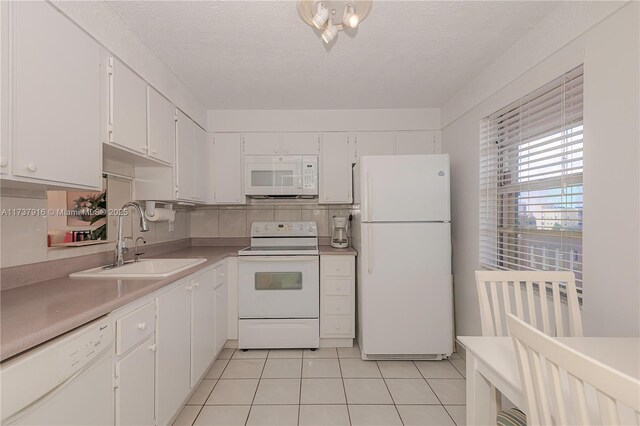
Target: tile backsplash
235 221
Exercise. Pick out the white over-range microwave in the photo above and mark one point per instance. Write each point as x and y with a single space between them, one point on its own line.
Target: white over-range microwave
281 176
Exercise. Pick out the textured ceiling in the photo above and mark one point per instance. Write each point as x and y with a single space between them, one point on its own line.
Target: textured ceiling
261 55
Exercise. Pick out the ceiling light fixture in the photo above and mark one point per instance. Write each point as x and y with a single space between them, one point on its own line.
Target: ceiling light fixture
350 19
330 32
331 16
321 16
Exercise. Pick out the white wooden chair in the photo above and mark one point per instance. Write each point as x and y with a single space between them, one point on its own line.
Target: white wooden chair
546 364
498 291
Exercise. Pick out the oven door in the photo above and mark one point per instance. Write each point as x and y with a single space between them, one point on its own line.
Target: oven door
266 175
278 287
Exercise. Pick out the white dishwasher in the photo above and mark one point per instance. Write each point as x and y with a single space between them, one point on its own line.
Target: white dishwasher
67 381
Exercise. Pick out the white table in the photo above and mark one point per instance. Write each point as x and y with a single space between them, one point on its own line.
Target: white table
492 366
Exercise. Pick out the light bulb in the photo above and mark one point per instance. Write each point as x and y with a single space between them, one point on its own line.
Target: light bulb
320 17
329 33
350 19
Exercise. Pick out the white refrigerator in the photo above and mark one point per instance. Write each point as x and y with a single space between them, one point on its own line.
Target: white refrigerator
402 232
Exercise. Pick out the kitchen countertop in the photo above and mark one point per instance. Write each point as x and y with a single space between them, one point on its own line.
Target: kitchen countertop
35 313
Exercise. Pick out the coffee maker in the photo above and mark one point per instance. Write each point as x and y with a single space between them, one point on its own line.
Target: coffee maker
339 232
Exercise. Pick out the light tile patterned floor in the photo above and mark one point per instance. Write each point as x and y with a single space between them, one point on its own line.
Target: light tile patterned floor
327 387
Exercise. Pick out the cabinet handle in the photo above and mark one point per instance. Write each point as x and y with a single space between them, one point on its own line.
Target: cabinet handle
222 274
154 151
196 285
145 148
338 327
275 151
337 268
216 294
3 162
142 326
189 288
153 347
32 167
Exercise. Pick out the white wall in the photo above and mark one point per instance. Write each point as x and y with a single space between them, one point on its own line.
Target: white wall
611 235
106 26
323 120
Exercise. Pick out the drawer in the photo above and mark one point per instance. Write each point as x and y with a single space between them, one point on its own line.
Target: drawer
336 287
336 305
335 325
135 327
336 266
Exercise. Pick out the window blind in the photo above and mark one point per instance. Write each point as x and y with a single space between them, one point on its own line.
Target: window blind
531 180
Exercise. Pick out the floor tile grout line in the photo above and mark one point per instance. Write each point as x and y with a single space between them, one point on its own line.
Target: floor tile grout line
300 388
388 390
256 391
434 392
344 388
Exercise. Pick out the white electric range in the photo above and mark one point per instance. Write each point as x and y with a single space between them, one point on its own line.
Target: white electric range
279 287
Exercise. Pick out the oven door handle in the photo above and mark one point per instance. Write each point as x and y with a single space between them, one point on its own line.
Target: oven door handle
278 259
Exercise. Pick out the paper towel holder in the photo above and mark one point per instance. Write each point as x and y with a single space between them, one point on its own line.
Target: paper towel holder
150 206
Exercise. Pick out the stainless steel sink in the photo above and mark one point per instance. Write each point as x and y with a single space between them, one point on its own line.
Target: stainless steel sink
144 269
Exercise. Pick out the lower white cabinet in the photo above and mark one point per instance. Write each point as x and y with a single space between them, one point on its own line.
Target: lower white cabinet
202 324
337 296
220 309
135 386
173 356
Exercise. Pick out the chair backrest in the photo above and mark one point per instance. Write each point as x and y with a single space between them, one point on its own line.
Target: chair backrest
546 365
499 291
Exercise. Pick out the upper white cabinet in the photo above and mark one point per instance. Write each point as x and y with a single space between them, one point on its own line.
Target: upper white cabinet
52 100
335 169
278 143
127 107
186 156
416 142
227 168
373 143
264 143
203 167
301 143
161 129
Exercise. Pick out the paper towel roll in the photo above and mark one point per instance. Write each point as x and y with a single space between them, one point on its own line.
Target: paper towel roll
161 215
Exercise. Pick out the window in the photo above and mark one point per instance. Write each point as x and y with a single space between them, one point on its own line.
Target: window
531 181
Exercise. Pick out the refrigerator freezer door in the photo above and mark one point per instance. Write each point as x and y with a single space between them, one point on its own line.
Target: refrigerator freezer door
405 289
405 188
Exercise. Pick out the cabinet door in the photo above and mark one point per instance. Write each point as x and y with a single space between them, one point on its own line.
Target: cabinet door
56 82
300 143
4 88
173 355
161 126
203 168
127 108
227 168
374 143
185 161
263 143
135 394
221 311
202 323
419 142
335 169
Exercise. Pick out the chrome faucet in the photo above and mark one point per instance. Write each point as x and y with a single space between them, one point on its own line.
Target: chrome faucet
121 248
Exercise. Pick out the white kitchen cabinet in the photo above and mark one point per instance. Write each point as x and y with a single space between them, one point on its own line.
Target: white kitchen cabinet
415 142
227 168
173 356
221 311
203 167
202 324
301 143
161 127
186 157
373 143
4 89
135 386
337 298
335 169
52 100
127 107
262 143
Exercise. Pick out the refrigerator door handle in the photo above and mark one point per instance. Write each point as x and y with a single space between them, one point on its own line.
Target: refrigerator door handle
370 251
369 200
